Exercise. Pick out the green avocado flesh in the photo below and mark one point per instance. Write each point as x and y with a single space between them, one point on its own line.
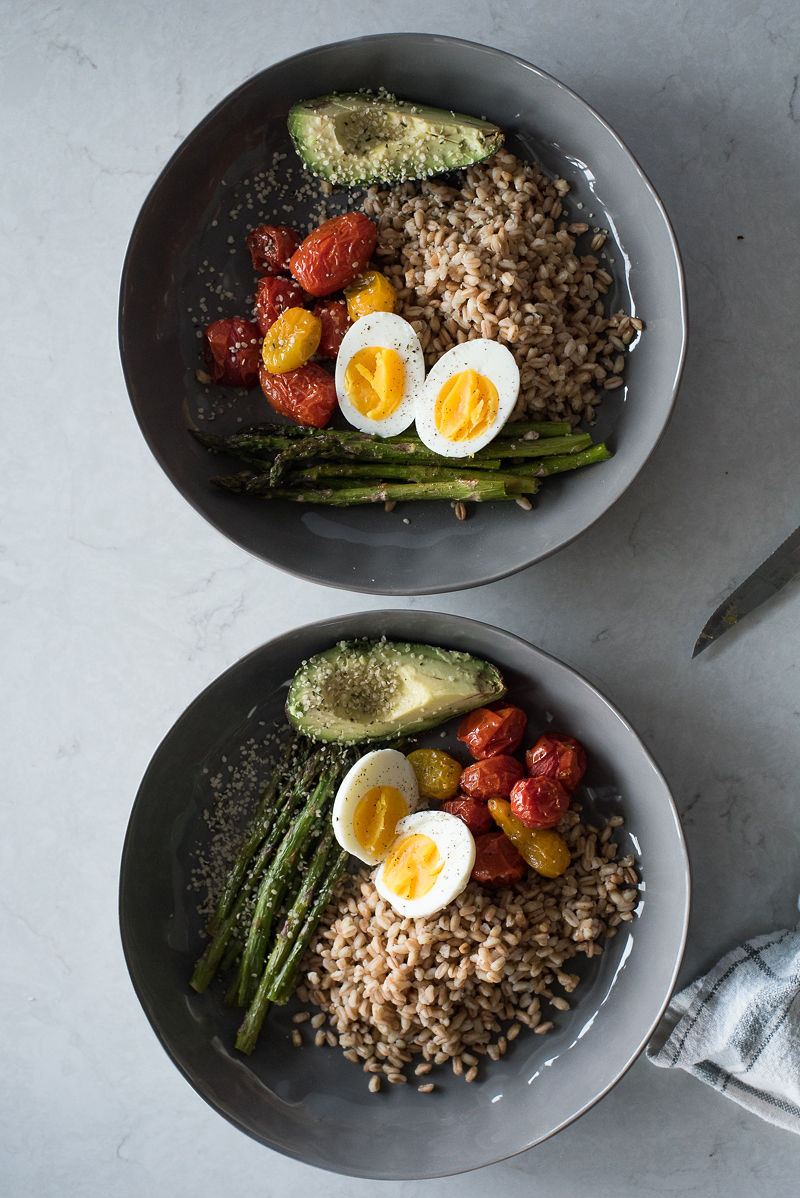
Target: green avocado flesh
357 138
361 691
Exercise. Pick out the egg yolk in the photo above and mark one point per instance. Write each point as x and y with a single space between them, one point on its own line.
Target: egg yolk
412 867
376 817
466 406
375 380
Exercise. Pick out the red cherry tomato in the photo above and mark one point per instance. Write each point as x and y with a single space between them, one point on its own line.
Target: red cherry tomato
335 254
273 296
491 778
472 812
335 322
497 862
489 731
271 247
306 395
560 757
233 351
539 802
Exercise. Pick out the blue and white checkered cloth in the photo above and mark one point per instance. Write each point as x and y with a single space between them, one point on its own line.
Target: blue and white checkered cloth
738 1028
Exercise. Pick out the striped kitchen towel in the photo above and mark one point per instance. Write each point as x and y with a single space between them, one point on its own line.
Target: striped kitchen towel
738 1028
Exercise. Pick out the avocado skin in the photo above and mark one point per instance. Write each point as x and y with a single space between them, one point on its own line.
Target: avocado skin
467 682
358 138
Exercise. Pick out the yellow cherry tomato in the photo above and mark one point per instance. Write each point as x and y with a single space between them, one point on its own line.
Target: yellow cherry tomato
438 774
545 850
291 340
371 292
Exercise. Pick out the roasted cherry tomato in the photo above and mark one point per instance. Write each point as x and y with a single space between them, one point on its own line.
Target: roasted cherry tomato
488 731
335 254
539 802
560 757
306 395
332 314
493 776
291 340
271 247
472 812
437 773
497 862
274 295
370 292
233 351
544 849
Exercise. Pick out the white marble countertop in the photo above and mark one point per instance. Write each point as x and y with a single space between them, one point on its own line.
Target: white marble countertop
119 603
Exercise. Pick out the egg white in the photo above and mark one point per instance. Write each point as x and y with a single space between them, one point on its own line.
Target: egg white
381 767
389 331
456 847
488 358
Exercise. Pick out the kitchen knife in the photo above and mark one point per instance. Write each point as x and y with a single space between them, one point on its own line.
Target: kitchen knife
763 583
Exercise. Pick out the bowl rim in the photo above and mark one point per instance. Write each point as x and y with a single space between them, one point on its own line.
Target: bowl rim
314 628
240 539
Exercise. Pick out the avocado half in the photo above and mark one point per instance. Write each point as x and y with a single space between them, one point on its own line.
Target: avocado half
358 138
364 691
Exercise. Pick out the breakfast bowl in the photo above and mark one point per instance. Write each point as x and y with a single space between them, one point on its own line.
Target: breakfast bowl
307 1101
187 265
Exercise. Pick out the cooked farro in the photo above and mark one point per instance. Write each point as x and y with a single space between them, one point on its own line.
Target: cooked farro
492 259
458 986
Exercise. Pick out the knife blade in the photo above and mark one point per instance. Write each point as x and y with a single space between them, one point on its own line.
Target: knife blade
765 581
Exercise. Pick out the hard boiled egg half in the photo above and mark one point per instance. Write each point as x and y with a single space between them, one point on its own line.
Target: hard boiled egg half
428 865
379 372
468 396
375 793
424 858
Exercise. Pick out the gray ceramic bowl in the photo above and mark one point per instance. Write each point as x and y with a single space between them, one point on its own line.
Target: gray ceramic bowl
200 200
312 1104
